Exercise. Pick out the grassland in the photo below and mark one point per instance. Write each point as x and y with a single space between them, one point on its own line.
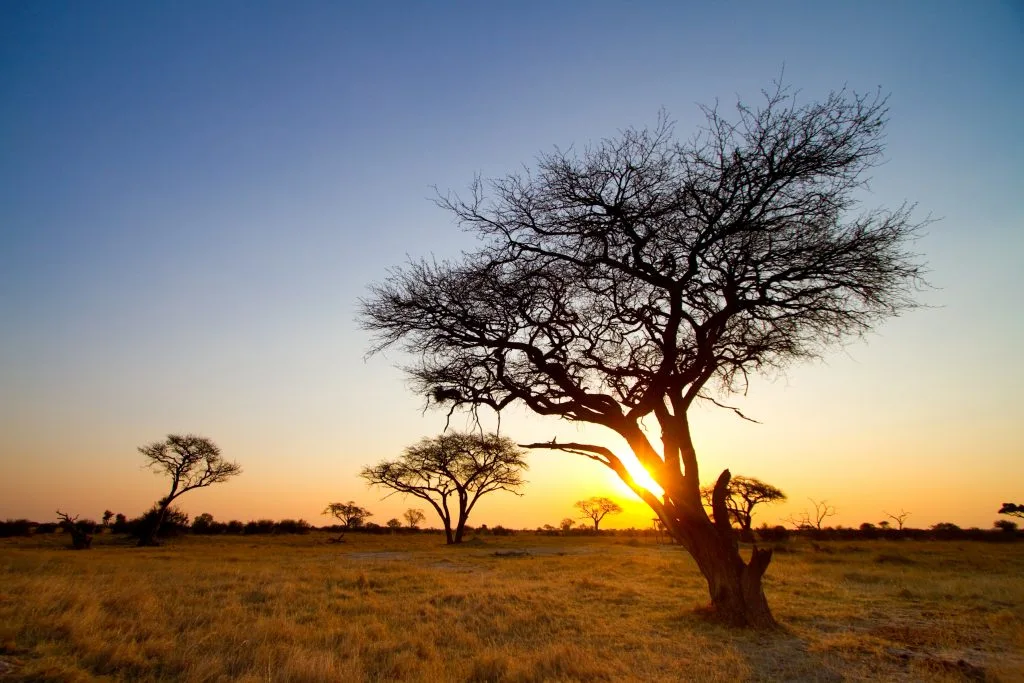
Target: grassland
522 608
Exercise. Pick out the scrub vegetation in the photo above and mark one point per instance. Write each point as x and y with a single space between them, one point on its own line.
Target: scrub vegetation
526 607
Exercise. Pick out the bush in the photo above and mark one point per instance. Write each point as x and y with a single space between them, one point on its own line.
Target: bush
175 522
262 526
775 534
501 531
16 527
293 526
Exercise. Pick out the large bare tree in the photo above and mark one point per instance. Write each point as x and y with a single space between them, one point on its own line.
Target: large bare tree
191 462
451 472
642 275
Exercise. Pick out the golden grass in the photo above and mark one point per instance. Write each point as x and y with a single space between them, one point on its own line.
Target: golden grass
524 608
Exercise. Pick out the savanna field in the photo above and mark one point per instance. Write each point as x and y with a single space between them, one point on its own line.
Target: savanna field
521 608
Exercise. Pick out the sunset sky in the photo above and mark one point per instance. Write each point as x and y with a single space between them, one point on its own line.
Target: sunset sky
193 196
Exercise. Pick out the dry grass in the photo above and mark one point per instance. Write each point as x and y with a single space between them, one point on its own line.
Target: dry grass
526 608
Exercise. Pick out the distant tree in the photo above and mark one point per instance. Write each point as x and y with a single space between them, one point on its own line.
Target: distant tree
349 514
451 472
413 516
107 516
81 532
203 524
567 524
625 282
808 520
884 524
743 494
120 524
1012 509
596 508
900 517
394 524
1005 525
191 462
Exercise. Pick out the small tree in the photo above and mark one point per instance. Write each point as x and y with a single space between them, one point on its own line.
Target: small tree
107 516
81 532
1012 509
451 472
567 524
413 516
349 514
742 495
900 517
597 508
807 520
394 524
191 462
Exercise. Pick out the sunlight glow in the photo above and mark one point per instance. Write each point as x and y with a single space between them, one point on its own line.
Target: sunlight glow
640 475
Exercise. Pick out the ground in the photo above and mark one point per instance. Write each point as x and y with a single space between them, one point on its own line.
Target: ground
520 608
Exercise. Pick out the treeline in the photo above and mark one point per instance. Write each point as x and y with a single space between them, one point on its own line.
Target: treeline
175 522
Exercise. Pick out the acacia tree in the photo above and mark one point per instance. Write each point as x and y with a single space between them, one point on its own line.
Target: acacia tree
413 516
349 514
643 275
451 472
191 462
596 508
742 495
1012 509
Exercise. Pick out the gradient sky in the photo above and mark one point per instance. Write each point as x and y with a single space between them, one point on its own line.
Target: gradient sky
194 195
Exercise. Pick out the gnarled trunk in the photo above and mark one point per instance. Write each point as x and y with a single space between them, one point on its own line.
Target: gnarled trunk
737 597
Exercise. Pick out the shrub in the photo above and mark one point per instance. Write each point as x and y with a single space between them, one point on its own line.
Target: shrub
175 522
16 527
293 526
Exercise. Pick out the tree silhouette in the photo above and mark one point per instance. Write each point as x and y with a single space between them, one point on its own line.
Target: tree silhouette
742 495
349 514
413 516
900 517
81 532
191 462
566 524
643 275
1012 509
595 509
452 471
808 520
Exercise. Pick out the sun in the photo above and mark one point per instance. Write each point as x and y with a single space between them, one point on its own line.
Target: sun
640 475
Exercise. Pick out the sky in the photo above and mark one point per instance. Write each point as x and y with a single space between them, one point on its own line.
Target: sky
193 197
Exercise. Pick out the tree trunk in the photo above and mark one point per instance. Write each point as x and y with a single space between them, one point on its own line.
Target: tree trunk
460 530
148 535
737 597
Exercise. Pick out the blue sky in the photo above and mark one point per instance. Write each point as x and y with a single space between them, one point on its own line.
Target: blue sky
194 195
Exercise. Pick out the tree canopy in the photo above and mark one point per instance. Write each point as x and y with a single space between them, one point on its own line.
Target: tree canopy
597 508
451 472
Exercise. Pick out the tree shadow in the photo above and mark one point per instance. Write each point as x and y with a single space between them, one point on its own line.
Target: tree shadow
780 655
